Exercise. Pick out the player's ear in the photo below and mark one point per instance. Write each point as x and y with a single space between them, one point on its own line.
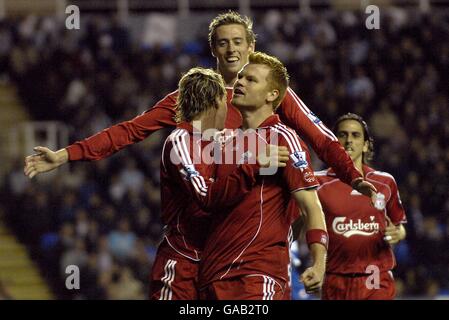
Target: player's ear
365 146
212 51
252 47
272 95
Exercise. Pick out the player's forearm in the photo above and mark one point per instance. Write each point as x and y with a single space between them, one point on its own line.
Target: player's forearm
319 254
334 155
315 222
311 209
107 142
315 218
337 158
111 140
62 156
294 112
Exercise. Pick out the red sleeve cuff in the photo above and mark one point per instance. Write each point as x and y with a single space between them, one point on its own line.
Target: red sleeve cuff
75 152
317 236
398 222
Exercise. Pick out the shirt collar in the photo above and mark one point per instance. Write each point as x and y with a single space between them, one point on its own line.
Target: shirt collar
270 121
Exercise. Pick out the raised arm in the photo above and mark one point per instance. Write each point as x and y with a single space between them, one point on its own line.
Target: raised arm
106 142
295 114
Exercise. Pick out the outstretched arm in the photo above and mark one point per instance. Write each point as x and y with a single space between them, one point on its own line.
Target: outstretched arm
110 140
106 142
309 127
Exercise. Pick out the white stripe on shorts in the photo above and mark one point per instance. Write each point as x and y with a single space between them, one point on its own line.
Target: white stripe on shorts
167 279
268 288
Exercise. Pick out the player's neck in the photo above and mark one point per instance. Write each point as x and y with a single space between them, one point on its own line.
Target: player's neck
229 78
358 164
253 118
205 124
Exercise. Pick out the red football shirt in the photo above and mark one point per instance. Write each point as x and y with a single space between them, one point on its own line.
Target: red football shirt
355 227
292 112
189 189
251 236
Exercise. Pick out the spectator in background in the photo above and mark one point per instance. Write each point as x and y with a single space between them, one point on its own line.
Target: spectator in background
105 259
121 241
76 255
16 183
81 223
361 86
384 122
124 286
67 207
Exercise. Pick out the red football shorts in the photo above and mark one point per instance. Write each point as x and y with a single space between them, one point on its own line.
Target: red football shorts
173 276
251 287
355 287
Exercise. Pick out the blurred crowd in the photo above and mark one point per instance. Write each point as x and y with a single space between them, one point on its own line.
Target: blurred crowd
104 216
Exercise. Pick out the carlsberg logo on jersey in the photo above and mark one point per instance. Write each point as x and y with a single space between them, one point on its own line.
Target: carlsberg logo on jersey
351 227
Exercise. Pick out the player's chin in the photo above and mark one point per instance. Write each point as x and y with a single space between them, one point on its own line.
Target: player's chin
237 101
233 67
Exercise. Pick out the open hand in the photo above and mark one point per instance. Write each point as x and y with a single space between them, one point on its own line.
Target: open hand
366 188
44 160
